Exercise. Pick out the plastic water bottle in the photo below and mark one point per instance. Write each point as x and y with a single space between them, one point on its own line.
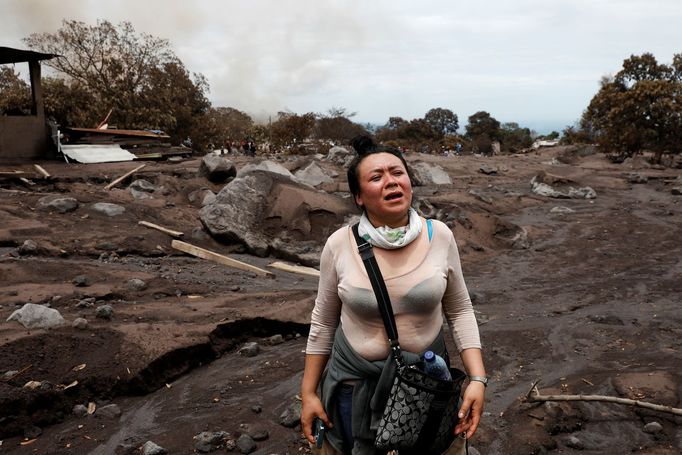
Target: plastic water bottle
435 366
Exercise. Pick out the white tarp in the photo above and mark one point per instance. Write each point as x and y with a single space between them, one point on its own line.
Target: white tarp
101 153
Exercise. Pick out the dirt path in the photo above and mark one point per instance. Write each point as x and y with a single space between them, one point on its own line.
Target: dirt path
589 304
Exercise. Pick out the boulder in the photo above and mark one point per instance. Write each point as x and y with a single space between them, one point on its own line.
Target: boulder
142 189
291 416
217 169
104 312
340 156
266 165
80 323
636 177
29 247
653 428
57 203
136 284
246 444
313 175
542 185
250 349
429 174
80 410
34 316
110 411
272 214
487 170
207 441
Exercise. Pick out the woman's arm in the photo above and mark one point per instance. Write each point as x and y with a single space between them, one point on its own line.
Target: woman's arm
311 406
474 395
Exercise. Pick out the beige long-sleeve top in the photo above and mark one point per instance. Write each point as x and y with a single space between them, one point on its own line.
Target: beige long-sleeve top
424 281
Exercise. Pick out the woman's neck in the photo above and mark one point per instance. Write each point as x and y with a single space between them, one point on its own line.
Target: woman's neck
392 223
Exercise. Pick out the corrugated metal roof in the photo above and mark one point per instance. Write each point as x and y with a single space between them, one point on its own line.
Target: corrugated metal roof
137 133
87 153
12 55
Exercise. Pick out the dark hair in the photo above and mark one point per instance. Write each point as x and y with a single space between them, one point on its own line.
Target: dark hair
364 146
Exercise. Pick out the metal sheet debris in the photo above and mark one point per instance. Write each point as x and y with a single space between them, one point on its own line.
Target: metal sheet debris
101 153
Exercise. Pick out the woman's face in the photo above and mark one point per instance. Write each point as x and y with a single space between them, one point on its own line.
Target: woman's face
385 190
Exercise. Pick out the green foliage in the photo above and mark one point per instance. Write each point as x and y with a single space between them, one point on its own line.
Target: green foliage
291 128
15 93
513 138
638 109
483 124
442 121
114 67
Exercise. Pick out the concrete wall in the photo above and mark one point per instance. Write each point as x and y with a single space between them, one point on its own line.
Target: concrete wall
23 138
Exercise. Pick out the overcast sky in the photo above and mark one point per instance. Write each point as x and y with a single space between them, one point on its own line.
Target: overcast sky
535 62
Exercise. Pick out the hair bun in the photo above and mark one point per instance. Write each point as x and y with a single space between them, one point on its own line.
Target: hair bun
363 144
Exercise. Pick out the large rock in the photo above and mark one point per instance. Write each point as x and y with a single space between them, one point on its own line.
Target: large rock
340 156
58 203
271 214
34 316
207 441
269 166
142 189
548 185
313 175
291 416
151 448
429 174
217 169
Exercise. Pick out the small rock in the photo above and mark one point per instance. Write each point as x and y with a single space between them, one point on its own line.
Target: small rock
141 189
59 203
108 209
104 312
86 303
257 408
207 441
32 432
574 443
81 281
636 177
230 445
136 284
10 374
653 428
561 209
677 191
235 288
109 411
80 323
80 410
28 248
291 416
488 170
246 444
150 448
275 340
260 435
250 349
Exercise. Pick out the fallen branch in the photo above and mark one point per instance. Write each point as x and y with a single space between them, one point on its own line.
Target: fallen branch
219 258
42 171
533 395
295 268
176 234
123 177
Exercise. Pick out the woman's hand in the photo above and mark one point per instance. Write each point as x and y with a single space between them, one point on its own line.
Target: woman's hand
472 408
311 407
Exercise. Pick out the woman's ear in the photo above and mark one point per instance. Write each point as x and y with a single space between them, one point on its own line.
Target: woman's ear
358 200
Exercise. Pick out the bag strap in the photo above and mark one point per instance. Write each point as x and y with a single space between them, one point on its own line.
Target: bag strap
379 286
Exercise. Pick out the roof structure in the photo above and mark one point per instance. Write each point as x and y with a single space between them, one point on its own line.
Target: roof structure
11 55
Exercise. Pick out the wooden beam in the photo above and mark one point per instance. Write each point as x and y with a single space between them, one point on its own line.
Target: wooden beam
219 258
176 234
12 172
42 171
123 177
295 268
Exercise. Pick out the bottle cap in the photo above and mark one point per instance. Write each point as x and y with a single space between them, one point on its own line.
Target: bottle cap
429 356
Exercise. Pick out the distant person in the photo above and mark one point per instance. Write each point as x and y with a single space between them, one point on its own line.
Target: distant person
347 346
458 149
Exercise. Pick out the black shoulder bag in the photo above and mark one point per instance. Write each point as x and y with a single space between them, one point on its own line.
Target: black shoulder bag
421 411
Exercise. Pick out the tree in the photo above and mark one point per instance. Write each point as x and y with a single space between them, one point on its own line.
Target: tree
15 93
291 128
483 124
638 109
337 126
135 74
514 138
443 121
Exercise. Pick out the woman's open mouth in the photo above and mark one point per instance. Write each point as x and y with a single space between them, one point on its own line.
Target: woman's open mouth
392 196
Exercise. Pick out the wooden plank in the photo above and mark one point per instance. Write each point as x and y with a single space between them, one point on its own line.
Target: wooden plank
42 171
12 172
123 177
176 234
295 268
219 258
